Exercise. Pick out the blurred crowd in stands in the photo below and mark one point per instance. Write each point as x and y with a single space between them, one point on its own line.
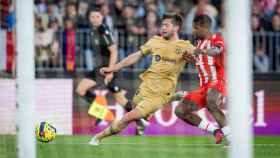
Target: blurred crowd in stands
133 21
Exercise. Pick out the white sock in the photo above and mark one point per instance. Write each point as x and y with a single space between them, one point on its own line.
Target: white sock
207 126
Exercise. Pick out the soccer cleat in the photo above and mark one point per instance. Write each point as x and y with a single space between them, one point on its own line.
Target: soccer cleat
140 130
218 134
94 141
145 122
141 125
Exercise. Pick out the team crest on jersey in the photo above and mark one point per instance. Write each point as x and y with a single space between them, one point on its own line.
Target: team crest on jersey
178 50
157 58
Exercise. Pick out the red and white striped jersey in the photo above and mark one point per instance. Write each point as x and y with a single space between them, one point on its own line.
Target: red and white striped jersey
211 68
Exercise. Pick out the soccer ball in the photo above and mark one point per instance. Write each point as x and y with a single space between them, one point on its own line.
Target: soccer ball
45 132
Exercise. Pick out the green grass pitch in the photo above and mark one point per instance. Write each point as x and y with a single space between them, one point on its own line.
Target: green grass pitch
139 147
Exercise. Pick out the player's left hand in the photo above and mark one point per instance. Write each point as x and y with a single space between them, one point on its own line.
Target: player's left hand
188 57
108 78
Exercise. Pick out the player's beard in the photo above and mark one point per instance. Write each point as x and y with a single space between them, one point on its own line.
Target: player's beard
167 35
200 35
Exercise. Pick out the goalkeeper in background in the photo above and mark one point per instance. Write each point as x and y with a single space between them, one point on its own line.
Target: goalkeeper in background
159 80
102 43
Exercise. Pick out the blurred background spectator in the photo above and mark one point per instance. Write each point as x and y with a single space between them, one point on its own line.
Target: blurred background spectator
82 15
275 23
69 44
151 24
130 30
261 60
201 7
71 13
46 48
116 9
108 19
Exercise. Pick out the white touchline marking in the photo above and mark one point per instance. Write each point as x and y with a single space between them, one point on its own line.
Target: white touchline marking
155 144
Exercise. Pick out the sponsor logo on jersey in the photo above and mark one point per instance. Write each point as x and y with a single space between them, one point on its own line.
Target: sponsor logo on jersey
159 58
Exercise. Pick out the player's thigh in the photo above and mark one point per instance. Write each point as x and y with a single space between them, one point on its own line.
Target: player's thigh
84 85
215 93
133 115
149 105
197 97
138 96
214 98
186 107
148 102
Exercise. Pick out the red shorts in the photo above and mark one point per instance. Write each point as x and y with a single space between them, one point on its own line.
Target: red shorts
199 96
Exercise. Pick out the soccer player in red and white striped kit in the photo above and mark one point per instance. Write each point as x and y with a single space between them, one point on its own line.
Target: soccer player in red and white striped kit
209 61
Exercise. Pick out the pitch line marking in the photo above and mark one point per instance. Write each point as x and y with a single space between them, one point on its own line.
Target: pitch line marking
155 144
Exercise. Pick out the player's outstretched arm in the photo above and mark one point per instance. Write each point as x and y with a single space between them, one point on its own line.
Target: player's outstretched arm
215 50
113 54
129 60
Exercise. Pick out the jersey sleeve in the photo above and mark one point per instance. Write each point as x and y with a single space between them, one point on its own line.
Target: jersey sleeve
189 47
107 35
218 41
147 47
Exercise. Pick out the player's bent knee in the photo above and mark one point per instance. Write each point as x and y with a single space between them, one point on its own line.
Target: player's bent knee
181 111
133 115
178 111
80 91
84 85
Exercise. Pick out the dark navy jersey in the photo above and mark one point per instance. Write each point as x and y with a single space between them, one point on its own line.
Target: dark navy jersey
101 39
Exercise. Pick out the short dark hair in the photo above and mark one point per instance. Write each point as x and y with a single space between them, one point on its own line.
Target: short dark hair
71 4
202 20
176 19
93 8
130 5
